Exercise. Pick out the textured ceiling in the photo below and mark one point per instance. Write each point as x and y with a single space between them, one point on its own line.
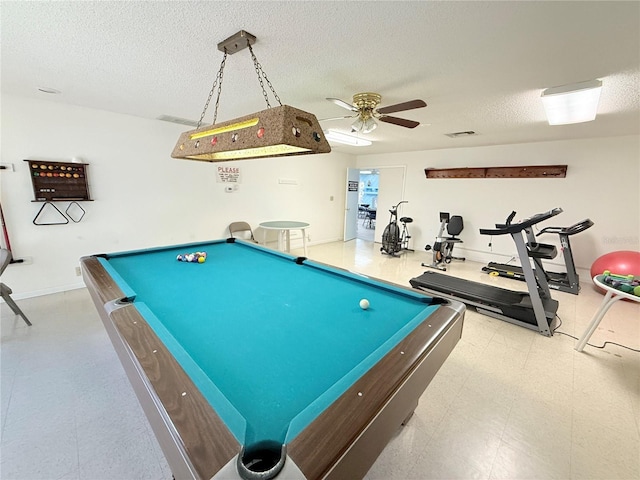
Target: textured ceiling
479 65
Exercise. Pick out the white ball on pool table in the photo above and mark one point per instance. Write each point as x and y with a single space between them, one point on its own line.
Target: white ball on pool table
364 304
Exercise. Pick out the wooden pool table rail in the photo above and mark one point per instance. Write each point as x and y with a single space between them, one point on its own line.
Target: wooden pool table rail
390 393
185 426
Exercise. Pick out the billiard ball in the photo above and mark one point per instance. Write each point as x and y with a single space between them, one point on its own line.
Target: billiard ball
364 304
201 259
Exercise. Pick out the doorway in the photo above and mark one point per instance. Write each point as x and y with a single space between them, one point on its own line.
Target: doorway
369 184
377 187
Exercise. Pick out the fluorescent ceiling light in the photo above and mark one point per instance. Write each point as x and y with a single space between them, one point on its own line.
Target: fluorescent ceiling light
572 103
339 137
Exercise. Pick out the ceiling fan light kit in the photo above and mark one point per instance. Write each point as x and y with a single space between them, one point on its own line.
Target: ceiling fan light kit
369 125
574 103
364 126
357 126
274 132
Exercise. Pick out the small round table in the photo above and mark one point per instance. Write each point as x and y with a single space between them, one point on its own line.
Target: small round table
611 297
284 228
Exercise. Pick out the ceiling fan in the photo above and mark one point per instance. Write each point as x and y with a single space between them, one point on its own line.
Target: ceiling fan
365 110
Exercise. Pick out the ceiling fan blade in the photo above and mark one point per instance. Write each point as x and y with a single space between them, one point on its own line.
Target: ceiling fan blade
400 107
343 104
399 121
336 118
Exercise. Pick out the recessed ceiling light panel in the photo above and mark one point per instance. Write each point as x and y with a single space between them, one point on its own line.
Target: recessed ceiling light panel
178 120
467 133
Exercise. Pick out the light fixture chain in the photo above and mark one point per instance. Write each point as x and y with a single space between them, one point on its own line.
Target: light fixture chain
261 74
217 81
220 73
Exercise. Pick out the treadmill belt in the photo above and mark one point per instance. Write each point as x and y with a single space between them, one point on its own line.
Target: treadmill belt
467 289
514 305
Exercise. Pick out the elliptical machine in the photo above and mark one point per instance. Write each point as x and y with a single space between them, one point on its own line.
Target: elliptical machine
394 241
443 246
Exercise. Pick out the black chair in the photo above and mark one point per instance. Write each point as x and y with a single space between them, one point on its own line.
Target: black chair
5 291
455 227
370 219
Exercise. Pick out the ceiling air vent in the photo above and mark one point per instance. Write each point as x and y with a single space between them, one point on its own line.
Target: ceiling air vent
181 121
468 133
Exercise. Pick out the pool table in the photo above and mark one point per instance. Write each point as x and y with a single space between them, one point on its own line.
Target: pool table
258 364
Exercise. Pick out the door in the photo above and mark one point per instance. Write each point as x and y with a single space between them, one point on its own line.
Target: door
351 204
390 193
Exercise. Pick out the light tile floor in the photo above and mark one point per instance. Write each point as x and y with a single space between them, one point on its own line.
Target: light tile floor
507 404
365 232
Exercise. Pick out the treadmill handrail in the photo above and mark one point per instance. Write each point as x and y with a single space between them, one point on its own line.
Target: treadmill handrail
507 221
572 230
519 226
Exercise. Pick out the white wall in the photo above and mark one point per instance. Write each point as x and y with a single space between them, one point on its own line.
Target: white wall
143 197
602 183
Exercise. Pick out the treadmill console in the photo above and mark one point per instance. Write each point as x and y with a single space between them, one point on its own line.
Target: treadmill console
520 226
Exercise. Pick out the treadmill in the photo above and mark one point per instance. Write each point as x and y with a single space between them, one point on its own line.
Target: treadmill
534 309
568 281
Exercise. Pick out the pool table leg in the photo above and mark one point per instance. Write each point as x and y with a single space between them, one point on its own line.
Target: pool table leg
408 417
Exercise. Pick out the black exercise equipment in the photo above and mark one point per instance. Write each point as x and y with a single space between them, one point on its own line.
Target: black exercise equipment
535 310
394 241
568 281
443 246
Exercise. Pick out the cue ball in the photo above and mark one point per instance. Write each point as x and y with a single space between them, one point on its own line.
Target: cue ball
364 304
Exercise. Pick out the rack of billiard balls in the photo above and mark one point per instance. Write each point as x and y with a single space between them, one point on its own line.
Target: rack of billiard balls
196 257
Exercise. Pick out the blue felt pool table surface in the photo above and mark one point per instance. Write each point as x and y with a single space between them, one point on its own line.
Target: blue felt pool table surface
269 342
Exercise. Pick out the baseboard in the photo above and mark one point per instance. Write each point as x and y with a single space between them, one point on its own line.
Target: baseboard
46 291
486 257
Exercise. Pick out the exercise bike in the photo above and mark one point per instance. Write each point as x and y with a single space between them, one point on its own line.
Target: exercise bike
443 246
393 240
